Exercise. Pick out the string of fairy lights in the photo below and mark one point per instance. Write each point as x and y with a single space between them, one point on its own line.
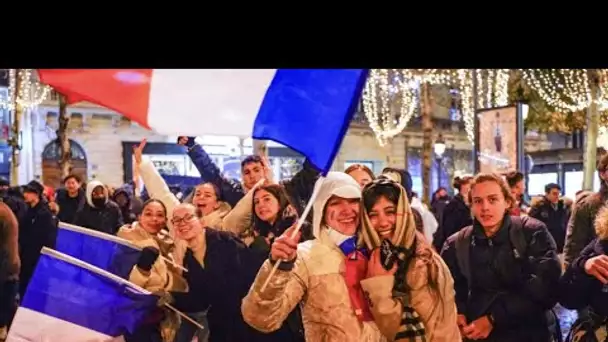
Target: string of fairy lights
567 90
30 94
391 96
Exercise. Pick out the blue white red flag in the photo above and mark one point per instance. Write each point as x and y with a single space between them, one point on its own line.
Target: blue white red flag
307 110
69 300
108 252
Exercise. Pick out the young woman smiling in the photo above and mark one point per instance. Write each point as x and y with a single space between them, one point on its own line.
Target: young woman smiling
411 292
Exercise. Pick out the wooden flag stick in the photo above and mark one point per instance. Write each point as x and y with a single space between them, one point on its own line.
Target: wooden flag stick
295 232
112 238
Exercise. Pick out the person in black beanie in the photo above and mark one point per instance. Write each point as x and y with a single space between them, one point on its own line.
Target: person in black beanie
36 230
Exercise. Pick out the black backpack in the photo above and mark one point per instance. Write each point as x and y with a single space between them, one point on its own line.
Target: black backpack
520 246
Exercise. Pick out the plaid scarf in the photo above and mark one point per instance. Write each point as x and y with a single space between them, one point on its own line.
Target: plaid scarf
412 328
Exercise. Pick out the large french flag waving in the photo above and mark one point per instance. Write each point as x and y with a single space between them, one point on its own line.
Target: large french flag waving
307 110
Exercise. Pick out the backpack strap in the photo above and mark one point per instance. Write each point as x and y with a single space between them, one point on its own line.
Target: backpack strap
463 251
517 237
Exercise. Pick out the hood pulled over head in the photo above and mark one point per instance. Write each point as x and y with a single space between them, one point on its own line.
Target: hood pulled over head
334 184
89 192
405 226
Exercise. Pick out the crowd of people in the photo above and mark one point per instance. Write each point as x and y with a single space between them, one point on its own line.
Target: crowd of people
369 262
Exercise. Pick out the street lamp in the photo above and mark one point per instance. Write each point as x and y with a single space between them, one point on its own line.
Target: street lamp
439 149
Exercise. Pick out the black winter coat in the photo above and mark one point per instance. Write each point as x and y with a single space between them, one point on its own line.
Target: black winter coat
37 229
555 218
456 216
516 292
230 269
578 289
107 219
68 206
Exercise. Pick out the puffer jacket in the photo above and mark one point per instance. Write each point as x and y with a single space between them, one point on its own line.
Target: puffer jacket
163 275
107 219
517 293
578 289
128 215
316 283
554 217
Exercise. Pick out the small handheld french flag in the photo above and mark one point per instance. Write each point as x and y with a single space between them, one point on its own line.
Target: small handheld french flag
69 300
308 110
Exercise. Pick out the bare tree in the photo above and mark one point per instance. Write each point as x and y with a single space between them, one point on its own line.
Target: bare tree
65 161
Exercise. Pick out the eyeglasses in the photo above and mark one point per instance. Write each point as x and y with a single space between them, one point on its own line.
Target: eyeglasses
181 220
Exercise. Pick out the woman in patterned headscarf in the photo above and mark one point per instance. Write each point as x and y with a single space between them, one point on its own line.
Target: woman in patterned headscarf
408 283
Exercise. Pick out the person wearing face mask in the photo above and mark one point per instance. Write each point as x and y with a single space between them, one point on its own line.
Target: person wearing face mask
321 275
220 270
152 272
409 285
99 212
505 268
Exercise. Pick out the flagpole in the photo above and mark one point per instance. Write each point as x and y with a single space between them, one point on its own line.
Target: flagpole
112 238
113 277
295 232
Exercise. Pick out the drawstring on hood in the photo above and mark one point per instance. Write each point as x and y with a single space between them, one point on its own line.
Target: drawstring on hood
89 194
334 184
405 226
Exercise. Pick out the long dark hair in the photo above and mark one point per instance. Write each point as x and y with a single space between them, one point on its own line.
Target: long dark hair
286 216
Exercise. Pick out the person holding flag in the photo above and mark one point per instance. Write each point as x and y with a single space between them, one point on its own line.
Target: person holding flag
321 275
152 272
220 270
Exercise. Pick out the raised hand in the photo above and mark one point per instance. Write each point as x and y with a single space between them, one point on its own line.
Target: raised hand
138 151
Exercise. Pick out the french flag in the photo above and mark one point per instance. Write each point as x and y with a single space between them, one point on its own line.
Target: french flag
69 300
308 110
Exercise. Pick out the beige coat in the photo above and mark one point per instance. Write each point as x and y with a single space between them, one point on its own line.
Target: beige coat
164 275
316 283
157 188
435 303
439 316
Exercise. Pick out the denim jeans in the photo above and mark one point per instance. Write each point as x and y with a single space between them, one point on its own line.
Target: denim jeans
187 330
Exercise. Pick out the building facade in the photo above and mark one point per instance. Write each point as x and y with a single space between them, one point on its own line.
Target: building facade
102 148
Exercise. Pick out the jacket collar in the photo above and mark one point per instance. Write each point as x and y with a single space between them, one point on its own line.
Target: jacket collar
502 235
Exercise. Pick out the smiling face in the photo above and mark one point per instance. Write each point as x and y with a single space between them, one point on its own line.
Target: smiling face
489 204
205 199
342 214
383 217
185 222
266 206
153 217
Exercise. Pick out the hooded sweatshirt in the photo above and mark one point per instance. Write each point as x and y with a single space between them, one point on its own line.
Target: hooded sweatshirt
434 305
317 281
99 214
